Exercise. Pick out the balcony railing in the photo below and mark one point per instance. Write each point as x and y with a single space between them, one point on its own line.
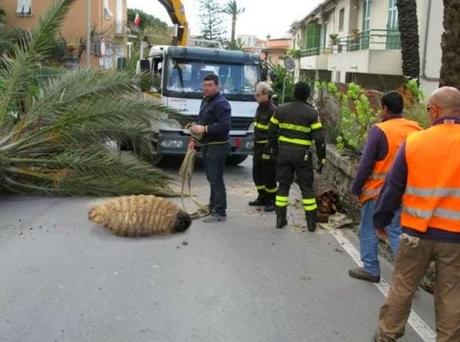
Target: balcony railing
315 51
372 39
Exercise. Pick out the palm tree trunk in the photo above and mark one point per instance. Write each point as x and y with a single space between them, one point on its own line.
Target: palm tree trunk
408 27
233 28
450 70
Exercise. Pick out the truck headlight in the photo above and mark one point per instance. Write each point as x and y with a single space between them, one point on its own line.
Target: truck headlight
249 145
172 143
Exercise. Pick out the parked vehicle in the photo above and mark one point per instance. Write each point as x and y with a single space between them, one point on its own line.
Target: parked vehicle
177 74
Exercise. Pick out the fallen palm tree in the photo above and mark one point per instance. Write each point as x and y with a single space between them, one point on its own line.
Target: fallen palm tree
136 216
53 133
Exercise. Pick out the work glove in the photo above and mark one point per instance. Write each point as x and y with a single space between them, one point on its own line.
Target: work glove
321 164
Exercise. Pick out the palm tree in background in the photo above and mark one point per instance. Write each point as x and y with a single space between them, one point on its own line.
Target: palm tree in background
53 130
232 9
410 46
450 70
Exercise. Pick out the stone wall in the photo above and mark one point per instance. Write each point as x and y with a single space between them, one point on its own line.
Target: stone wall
338 175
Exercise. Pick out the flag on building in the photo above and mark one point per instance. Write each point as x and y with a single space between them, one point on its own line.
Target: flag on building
137 20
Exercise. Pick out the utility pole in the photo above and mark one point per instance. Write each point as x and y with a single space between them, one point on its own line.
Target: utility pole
88 33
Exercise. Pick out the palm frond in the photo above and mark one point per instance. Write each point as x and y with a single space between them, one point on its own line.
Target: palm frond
19 71
53 132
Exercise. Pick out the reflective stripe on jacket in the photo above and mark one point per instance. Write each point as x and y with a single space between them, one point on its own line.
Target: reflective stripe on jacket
296 122
262 121
432 195
395 131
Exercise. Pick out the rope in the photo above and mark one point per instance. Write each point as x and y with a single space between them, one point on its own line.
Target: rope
186 174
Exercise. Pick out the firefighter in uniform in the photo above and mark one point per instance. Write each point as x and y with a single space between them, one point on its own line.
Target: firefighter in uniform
263 170
293 128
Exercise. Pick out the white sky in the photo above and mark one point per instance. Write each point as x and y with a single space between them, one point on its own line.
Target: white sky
261 18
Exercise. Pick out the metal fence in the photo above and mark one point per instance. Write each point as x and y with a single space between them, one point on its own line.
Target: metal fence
372 39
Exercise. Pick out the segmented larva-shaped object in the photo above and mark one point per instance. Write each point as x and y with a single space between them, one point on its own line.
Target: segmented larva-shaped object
140 216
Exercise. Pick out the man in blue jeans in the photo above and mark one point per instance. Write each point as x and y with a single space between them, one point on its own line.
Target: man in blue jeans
379 154
214 129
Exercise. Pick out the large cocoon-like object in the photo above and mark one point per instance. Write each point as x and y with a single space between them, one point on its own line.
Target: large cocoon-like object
140 216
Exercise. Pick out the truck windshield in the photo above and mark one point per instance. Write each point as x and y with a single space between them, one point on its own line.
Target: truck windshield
187 76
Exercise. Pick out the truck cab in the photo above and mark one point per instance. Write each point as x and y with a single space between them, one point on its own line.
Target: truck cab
177 74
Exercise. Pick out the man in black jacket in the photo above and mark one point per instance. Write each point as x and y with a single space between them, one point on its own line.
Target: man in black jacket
263 170
214 128
293 128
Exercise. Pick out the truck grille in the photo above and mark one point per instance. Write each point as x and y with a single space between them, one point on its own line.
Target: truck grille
238 123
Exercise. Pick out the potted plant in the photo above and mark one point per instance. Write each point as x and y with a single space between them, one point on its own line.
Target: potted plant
334 39
355 34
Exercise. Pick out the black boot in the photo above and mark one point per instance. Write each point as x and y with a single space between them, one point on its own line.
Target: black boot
269 207
311 220
281 220
270 204
259 202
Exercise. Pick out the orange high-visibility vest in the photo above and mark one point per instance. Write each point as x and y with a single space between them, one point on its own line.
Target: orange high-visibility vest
396 131
432 197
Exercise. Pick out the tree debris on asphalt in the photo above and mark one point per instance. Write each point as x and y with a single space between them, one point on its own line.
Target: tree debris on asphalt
135 216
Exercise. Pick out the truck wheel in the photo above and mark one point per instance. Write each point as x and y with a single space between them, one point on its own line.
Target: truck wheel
148 153
236 159
155 156
125 145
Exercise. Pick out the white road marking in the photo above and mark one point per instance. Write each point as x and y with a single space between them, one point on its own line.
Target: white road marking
415 321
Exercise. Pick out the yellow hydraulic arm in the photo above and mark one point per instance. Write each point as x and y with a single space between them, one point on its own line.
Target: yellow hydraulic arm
176 12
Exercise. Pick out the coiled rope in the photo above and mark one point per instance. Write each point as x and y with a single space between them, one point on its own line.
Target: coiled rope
186 173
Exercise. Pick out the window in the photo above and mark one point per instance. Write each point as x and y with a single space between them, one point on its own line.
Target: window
366 15
235 79
365 35
393 36
393 16
24 8
341 19
313 36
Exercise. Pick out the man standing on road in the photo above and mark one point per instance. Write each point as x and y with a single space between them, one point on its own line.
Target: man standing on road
263 170
214 129
425 178
382 145
292 129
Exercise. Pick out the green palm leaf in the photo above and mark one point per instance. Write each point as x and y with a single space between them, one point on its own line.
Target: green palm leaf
54 133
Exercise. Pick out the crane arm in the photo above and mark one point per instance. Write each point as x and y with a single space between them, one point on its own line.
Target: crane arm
176 12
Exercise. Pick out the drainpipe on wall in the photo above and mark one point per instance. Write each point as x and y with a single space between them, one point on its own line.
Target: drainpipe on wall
88 33
425 48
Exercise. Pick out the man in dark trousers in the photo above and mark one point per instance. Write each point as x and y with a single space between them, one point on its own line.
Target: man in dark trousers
382 145
293 128
263 170
425 181
214 129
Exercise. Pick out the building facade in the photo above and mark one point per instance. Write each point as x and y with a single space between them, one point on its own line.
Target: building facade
359 41
108 26
276 49
252 44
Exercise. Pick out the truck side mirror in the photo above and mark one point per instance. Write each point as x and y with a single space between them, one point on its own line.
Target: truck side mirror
144 65
273 75
264 73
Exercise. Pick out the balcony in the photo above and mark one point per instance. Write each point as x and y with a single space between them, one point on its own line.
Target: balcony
315 58
370 52
372 39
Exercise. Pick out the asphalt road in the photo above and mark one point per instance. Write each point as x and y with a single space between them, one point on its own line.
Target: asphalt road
64 279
